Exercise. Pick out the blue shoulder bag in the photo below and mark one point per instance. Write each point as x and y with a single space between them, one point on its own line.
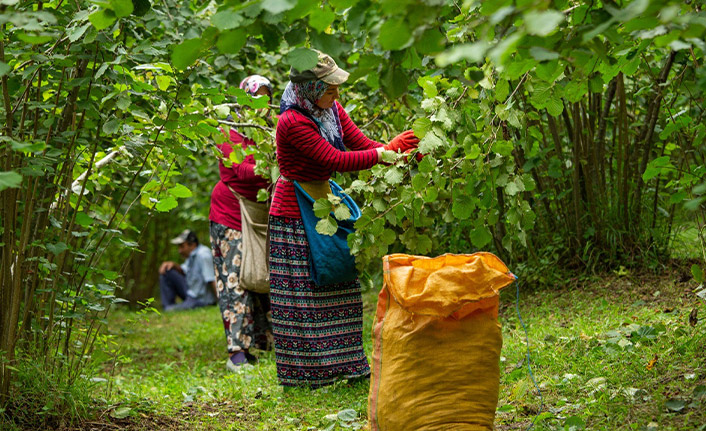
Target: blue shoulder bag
330 259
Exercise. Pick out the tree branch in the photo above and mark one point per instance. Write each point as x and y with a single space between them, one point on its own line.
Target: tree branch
232 124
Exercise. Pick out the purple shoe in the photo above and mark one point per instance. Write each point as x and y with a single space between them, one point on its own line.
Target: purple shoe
236 359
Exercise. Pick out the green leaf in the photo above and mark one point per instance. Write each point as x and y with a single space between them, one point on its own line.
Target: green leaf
677 197
574 423
237 155
473 52
431 193
421 126
675 405
645 333
427 165
263 195
121 7
420 182
432 41
327 226
555 106
655 167
302 58
575 90
84 220
28 147
4 69
694 204
519 67
186 53
541 94
698 273
342 4
502 90
430 142
423 244
278 6
542 54
462 206
111 126
121 412
511 189
429 87
347 415
700 391
166 204
393 176
480 236
141 7
394 34
322 207
163 82
102 18
342 212
9 180
388 237
394 82
542 23
232 41
504 148
75 34
226 20
506 408
321 19
473 152
180 191
57 248
33 39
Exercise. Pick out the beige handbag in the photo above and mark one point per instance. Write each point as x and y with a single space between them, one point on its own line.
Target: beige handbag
254 266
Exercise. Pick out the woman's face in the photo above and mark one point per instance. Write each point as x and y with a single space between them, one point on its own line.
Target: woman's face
330 96
263 91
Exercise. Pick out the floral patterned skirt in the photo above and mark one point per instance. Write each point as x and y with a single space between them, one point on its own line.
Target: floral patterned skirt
246 315
318 329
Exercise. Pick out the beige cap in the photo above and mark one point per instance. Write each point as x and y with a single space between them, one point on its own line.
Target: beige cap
326 70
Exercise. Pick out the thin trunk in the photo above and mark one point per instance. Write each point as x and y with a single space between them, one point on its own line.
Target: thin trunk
647 131
623 171
575 181
600 142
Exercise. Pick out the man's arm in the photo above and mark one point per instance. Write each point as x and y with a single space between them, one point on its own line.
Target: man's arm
213 286
166 266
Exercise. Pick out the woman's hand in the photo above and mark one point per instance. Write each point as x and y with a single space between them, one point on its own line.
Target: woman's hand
403 142
380 150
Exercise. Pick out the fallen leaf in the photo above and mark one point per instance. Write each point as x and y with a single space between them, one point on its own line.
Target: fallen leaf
121 412
584 337
652 363
675 405
693 317
597 383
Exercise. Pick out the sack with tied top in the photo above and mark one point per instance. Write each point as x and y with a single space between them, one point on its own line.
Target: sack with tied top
436 343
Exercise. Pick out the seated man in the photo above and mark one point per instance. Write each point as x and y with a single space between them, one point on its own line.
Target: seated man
193 281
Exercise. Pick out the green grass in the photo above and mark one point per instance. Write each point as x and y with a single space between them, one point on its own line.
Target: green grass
617 353
686 243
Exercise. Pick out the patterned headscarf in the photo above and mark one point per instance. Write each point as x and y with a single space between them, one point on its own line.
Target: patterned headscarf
303 96
253 83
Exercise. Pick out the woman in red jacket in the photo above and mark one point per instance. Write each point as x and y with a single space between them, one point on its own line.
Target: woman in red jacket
246 315
317 329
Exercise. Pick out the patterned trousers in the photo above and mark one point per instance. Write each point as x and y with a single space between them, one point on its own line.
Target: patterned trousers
247 318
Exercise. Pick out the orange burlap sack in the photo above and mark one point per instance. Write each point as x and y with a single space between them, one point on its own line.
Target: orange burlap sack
436 343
